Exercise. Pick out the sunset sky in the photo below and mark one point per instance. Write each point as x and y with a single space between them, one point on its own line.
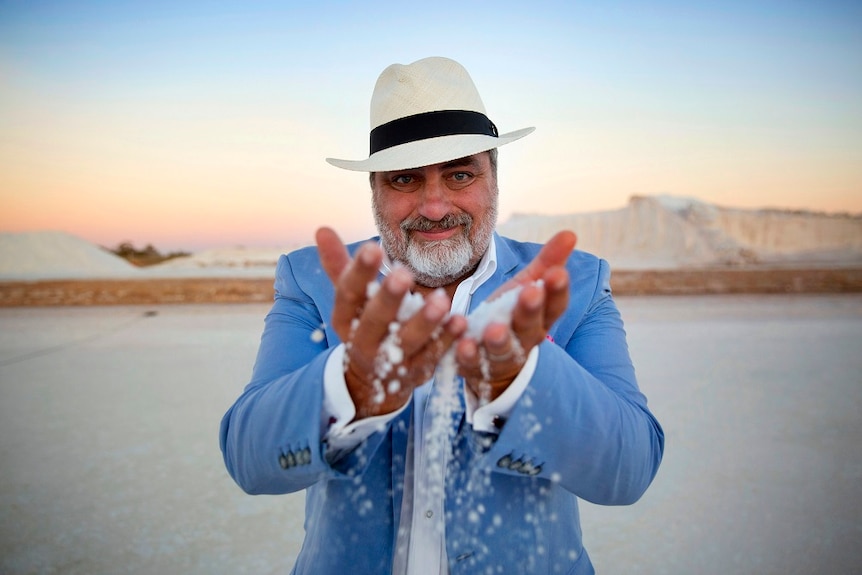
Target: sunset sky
201 124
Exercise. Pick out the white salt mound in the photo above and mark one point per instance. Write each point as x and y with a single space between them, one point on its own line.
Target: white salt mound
662 232
57 255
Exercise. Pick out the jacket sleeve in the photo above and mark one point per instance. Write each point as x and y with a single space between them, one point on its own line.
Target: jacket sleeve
582 421
271 438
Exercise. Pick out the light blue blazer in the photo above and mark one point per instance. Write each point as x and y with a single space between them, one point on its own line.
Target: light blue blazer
581 429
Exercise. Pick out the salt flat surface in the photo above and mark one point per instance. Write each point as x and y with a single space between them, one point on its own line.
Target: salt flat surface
110 462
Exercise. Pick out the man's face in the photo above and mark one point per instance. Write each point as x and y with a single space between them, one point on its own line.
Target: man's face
437 220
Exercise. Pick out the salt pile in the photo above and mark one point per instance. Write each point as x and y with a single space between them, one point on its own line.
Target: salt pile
57 255
662 232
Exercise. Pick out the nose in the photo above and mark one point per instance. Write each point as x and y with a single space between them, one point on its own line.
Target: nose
435 201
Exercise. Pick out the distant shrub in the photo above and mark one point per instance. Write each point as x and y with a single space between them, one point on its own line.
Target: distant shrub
147 256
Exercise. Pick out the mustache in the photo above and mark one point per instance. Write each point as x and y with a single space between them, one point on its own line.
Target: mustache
449 221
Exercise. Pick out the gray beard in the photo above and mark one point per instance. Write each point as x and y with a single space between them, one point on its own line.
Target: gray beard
440 263
437 264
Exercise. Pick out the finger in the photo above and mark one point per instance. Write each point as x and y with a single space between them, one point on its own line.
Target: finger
556 285
351 287
498 343
419 368
337 263
333 254
553 253
454 328
528 316
425 324
468 358
437 346
380 311
489 366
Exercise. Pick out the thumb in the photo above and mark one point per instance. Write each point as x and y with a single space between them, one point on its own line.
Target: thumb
553 254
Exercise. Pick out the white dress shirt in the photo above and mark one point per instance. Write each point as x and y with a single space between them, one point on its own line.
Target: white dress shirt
420 546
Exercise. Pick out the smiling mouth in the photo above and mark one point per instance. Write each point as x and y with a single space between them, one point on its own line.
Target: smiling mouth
435 232
440 229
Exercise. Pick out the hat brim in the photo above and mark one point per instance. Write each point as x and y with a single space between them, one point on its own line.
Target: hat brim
429 151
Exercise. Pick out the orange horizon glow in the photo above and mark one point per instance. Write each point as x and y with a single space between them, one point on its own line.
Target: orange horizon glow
190 128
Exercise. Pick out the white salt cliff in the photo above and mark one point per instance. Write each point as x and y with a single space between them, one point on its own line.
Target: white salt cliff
662 232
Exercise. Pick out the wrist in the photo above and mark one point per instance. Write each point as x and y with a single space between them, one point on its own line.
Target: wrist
373 399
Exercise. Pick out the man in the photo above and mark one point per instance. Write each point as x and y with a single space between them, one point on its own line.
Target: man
353 396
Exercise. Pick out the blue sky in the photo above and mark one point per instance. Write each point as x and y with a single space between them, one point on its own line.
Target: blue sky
189 124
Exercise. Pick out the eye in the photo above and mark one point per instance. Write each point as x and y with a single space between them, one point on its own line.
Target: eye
403 179
460 179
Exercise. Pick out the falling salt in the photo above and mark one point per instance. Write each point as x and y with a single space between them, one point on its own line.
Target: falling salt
536 428
444 401
379 394
391 355
410 304
498 310
317 335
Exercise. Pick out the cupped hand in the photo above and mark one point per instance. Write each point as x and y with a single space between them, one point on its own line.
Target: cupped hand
385 358
490 363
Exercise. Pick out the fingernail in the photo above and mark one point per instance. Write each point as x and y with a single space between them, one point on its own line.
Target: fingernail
496 338
367 255
439 298
433 310
468 352
456 325
399 281
534 300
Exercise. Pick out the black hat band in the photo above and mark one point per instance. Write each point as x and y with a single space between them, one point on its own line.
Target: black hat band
430 125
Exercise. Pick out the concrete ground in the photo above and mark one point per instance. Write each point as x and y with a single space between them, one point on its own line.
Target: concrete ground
109 459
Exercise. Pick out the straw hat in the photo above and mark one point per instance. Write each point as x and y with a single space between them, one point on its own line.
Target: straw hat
425 113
